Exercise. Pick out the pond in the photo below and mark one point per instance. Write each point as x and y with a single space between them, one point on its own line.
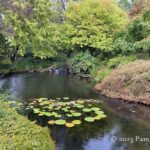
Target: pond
127 126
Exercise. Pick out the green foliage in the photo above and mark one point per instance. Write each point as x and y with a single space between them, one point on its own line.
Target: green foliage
5 50
111 64
20 129
116 61
26 64
137 35
102 74
135 30
28 27
93 24
82 63
123 47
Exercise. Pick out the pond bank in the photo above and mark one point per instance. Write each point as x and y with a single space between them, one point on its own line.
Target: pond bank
129 82
17 132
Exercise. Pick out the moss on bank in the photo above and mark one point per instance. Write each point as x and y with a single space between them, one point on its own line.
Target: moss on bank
18 133
129 82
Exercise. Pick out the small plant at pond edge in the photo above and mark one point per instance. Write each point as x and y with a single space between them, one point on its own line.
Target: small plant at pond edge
68 113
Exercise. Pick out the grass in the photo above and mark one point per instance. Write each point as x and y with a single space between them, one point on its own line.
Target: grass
18 133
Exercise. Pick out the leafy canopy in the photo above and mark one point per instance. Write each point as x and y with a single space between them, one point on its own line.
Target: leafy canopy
94 23
28 26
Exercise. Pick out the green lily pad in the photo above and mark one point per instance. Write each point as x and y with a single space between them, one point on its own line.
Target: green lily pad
98 117
76 114
41 99
72 111
60 122
57 116
89 119
66 98
103 116
65 109
36 110
54 113
40 114
77 122
99 112
69 115
48 114
80 101
95 108
86 110
79 106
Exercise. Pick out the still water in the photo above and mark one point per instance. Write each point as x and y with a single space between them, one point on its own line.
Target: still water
127 126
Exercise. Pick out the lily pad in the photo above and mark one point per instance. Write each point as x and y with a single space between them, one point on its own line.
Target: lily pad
98 117
69 115
66 98
48 114
76 114
79 106
69 125
99 112
41 99
60 122
86 110
77 122
103 116
80 101
89 119
40 114
36 110
51 122
95 108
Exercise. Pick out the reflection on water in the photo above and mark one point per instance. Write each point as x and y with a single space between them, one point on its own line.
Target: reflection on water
125 126
36 85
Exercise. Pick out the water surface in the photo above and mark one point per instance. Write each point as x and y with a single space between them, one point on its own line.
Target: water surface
127 126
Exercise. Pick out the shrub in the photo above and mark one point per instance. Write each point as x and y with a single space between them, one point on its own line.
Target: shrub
116 61
82 63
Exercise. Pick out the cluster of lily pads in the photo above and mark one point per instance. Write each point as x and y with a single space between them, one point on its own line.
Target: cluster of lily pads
68 113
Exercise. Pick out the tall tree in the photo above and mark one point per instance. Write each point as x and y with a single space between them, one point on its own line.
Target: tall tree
92 24
27 25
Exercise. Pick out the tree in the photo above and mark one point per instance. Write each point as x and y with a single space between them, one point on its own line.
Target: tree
93 24
28 27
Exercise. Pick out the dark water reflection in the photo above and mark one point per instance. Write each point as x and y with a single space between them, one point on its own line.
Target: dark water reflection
125 126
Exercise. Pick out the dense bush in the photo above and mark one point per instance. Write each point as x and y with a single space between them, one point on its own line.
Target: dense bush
82 63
